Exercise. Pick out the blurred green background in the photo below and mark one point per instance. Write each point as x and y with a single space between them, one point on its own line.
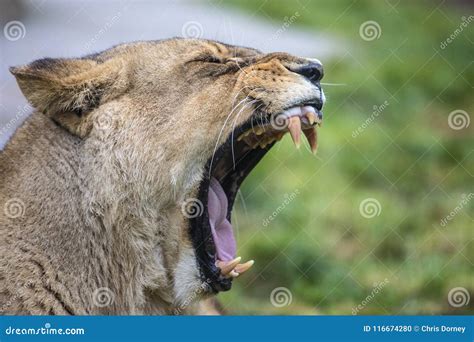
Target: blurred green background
386 141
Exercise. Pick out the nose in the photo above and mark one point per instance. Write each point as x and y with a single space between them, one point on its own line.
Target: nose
312 71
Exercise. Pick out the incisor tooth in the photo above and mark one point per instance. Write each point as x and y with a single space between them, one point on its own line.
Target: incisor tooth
295 130
312 136
233 274
258 130
227 266
241 268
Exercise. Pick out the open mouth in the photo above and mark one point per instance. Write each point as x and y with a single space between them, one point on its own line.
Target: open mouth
212 232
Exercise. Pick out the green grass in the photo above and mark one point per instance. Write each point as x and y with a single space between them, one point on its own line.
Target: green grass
319 246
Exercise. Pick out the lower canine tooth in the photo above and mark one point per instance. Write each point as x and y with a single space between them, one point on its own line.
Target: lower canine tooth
227 266
241 268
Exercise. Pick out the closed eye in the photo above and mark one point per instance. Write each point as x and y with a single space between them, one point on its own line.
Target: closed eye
208 59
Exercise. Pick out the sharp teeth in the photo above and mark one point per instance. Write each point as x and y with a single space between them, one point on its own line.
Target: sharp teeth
258 130
311 118
312 136
227 266
295 130
241 268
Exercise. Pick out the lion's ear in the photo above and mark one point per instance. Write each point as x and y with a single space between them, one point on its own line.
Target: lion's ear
67 89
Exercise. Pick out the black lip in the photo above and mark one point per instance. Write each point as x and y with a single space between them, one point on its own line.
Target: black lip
230 178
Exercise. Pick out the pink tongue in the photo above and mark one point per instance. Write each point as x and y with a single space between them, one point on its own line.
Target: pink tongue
221 228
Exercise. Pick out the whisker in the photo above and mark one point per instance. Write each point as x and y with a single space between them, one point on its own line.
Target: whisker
235 120
333 84
220 133
233 131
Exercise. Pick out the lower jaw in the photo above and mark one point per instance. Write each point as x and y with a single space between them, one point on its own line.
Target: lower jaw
230 175
229 166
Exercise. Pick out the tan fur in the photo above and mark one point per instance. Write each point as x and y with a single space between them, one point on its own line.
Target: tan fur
119 140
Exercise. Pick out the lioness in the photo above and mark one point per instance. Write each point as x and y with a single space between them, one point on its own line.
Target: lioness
116 194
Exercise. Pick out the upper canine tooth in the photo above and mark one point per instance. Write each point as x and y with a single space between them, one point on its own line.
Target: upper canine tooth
295 130
312 136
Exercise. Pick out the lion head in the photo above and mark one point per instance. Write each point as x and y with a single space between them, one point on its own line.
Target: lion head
168 130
